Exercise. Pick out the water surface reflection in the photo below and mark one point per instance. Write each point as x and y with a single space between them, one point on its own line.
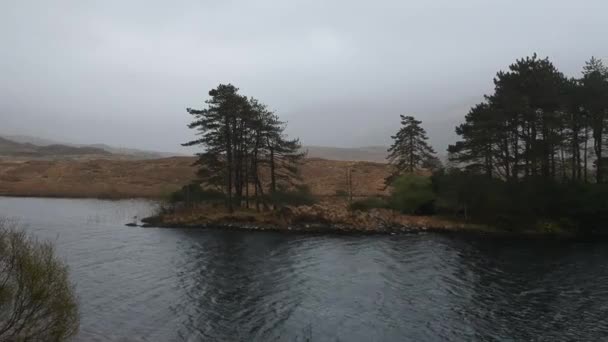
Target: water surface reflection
140 284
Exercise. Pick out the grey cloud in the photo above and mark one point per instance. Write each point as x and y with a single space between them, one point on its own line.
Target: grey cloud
123 72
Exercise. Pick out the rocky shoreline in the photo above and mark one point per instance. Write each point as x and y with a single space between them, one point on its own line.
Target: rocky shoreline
319 219
315 228
336 219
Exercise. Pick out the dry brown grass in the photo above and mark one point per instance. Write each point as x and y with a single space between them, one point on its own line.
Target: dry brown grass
155 178
95 178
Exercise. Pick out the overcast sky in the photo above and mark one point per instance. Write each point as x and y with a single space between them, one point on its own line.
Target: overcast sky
340 72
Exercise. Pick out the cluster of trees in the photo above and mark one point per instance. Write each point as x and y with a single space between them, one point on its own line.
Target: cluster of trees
538 123
240 137
534 150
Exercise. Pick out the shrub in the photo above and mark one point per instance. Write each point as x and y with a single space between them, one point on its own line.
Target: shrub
526 203
300 196
37 301
193 193
341 193
412 194
368 204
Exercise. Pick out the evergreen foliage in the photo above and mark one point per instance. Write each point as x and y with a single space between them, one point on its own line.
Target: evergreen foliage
239 137
409 149
411 193
526 151
537 124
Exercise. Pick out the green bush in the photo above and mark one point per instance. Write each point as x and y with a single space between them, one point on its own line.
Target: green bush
521 204
469 194
193 193
412 194
368 204
37 300
300 196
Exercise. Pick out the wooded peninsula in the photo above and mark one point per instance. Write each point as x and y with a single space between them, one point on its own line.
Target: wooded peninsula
529 161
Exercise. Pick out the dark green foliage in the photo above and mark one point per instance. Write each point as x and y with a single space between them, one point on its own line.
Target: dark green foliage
369 203
239 136
193 193
301 195
432 163
513 205
537 123
469 194
410 148
412 194
526 151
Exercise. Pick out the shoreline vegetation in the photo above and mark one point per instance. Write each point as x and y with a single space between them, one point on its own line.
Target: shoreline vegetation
339 220
531 161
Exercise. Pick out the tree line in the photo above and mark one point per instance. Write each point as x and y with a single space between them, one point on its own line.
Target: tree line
240 137
538 123
534 149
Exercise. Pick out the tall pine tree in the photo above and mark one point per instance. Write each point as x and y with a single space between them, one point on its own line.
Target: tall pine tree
409 149
240 136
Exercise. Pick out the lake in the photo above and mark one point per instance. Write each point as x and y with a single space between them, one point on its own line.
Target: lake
149 284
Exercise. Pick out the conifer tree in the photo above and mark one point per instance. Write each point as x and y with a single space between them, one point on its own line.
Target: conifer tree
239 136
409 149
595 85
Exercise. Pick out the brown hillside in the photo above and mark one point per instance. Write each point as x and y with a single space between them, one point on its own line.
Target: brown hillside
376 154
15 149
157 177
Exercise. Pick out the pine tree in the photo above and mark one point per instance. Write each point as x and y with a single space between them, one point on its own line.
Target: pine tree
284 156
409 149
595 85
522 129
476 149
216 127
239 136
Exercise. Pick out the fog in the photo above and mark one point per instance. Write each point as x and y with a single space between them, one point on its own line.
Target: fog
340 72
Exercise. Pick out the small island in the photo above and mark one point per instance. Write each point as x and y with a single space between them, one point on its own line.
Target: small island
524 167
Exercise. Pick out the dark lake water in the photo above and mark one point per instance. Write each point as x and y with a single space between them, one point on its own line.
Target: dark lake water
145 284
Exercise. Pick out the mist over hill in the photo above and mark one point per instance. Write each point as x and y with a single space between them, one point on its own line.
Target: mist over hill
375 154
30 142
17 149
29 146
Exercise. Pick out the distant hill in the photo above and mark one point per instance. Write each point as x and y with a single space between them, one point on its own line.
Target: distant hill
17 149
129 152
376 154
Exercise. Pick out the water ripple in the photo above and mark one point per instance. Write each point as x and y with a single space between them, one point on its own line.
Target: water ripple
206 285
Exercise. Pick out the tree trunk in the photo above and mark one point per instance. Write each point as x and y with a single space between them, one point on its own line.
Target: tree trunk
585 153
229 166
597 145
533 151
246 179
273 179
563 164
412 151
